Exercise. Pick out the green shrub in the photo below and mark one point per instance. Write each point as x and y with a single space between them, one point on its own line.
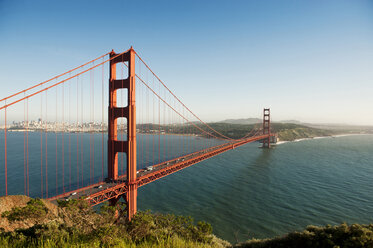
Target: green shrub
34 209
324 237
147 227
74 204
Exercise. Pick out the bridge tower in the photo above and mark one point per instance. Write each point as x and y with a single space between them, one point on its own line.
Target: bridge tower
266 127
129 112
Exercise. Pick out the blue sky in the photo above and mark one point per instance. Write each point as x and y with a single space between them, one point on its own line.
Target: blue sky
307 60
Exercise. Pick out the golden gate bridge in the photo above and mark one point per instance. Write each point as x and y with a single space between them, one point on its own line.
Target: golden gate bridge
150 133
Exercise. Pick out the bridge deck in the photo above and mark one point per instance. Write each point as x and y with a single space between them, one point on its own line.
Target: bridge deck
103 191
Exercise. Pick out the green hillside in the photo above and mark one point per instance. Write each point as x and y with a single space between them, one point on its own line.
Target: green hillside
286 131
290 132
27 222
39 223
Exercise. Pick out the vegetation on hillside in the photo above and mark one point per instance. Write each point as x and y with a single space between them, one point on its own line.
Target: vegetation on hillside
290 132
342 236
285 131
35 209
78 225
91 229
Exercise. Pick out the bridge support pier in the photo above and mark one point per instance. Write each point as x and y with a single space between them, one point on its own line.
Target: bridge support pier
131 199
127 146
266 128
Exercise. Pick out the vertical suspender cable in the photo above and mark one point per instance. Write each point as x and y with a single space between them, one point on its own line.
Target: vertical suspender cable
170 115
102 124
27 164
187 137
77 130
153 133
46 144
90 127
93 123
143 104
41 144
5 155
140 117
182 131
147 131
70 137
159 126
81 134
164 127
24 148
56 124
63 137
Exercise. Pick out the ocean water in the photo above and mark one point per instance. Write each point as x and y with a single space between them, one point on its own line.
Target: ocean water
244 193
251 192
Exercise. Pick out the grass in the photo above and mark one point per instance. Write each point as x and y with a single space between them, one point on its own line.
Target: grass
172 242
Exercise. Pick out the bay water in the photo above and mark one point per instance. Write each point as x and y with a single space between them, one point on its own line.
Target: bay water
246 192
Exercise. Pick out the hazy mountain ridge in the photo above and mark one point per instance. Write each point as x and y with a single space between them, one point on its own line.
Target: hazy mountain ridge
256 120
339 127
242 121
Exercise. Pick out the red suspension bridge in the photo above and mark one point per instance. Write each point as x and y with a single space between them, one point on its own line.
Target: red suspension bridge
102 130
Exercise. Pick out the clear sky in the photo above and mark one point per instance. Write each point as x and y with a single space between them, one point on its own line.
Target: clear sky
307 60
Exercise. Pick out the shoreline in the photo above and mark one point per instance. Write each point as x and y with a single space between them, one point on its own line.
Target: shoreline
321 137
59 131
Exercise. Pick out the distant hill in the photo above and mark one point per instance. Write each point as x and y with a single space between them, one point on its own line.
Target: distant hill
242 121
290 121
256 120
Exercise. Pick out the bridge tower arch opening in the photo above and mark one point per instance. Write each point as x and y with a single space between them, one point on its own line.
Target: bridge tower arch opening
267 127
128 146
